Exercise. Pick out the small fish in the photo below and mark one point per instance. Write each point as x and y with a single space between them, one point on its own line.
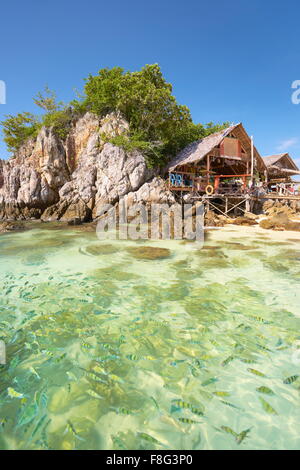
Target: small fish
122 339
3 422
47 353
60 358
132 357
34 372
94 394
256 372
148 438
86 346
209 381
228 430
282 348
105 345
42 400
227 361
39 425
291 379
14 362
260 319
230 404
248 361
13 394
267 407
123 411
222 394
264 348
184 405
181 404
94 377
155 402
196 411
149 358
109 357
187 421
71 376
118 442
99 370
28 414
265 390
72 430
115 378
242 435
239 437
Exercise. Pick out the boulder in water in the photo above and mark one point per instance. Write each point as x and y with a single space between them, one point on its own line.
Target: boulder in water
149 252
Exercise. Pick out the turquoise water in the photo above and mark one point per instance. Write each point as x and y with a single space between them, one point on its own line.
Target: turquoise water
110 349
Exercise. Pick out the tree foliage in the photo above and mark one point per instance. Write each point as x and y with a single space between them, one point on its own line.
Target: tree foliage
47 100
158 125
17 129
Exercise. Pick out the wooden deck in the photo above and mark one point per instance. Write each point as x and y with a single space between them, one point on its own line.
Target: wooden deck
226 203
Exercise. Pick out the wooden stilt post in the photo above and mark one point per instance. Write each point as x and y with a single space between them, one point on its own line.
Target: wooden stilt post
208 167
247 205
226 205
252 160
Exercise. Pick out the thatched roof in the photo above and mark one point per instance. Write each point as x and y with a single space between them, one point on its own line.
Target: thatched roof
281 162
196 151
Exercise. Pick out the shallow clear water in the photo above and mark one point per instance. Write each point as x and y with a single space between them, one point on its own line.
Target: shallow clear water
110 351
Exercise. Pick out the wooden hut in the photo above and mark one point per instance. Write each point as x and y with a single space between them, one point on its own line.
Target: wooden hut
280 168
209 164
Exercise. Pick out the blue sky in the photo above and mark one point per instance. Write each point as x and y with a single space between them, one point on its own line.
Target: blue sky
228 61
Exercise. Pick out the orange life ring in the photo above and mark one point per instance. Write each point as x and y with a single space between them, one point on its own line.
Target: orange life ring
209 189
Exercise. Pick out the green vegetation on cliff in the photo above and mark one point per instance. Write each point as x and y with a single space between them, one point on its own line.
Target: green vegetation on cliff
158 125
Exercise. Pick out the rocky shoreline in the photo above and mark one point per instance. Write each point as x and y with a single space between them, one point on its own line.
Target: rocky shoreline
69 181
51 179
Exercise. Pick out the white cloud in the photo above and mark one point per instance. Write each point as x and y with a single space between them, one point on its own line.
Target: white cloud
288 143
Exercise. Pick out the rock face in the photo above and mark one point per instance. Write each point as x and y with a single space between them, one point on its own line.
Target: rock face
280 221
272 208
31 180
154 191
69 181
280 216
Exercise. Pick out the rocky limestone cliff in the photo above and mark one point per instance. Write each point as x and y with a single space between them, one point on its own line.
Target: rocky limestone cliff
69 181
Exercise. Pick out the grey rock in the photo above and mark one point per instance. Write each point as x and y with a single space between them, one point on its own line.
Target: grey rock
70 181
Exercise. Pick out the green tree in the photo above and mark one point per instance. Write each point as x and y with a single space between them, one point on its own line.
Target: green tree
47 100
17 129
158 125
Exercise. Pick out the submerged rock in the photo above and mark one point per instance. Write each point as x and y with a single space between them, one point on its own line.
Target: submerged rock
149 252
101 249
11 226
244 221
